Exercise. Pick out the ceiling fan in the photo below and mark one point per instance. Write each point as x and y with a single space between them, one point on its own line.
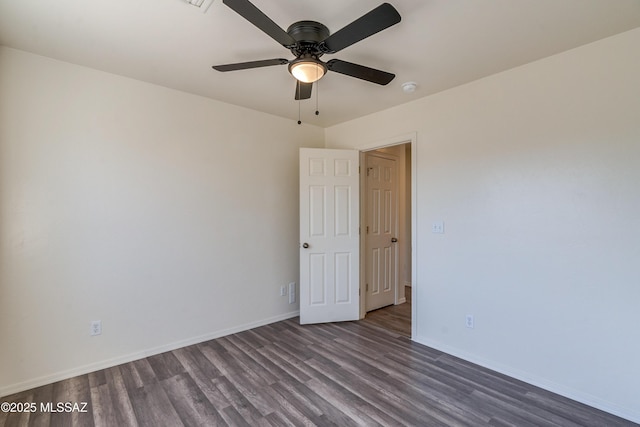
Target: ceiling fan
309 40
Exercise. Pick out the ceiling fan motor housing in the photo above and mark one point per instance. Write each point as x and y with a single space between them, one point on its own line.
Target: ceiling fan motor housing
309 36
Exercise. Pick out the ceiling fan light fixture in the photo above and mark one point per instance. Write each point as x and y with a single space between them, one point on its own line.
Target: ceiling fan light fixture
307 70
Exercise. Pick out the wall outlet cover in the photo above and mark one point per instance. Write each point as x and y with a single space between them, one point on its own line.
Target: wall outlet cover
292 293
96 327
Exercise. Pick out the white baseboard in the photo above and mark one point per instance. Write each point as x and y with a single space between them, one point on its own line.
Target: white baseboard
108 363
585 398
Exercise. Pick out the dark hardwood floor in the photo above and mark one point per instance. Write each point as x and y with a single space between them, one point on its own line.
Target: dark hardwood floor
284 374
396 318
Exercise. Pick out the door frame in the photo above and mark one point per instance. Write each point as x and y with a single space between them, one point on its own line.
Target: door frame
410 138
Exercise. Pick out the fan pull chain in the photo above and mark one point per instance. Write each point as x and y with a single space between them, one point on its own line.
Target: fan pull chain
298 89
317 95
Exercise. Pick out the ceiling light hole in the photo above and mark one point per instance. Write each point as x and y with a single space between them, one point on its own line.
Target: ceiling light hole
203 5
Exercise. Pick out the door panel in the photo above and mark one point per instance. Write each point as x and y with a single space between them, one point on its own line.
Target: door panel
317 282
317 209
329 224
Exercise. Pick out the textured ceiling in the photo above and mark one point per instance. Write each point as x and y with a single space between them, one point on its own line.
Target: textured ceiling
439 44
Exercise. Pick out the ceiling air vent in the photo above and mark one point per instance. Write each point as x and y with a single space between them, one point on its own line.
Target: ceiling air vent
203 5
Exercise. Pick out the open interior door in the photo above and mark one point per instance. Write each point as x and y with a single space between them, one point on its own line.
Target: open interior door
329 235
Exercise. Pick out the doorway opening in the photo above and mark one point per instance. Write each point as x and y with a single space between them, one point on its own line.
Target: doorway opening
386 237
333 226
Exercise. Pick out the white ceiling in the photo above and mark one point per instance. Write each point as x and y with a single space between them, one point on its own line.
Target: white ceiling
439 44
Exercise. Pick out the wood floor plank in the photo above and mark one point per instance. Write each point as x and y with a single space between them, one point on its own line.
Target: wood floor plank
132 378
193 360
120 396
258 394
292 366
238 401
329 410
254 339
277 419
267 332
467 372
233 418
97 378
142 371
569 409
165 365
342 400
287 374
505 413
191 404
41 394
202 372
278 367
346 385
381 410
298 406
220 358
349 385
374 380
152 407
105 413
396 318
260 377
17 418
75 390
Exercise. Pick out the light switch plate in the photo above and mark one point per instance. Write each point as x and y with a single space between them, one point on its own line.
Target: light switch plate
437 227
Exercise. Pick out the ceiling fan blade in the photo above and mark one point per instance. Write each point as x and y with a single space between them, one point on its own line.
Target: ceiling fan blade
380 18
360 72
250 64
248 11
303 90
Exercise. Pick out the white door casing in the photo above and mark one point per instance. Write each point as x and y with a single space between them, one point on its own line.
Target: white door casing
381 229
329 235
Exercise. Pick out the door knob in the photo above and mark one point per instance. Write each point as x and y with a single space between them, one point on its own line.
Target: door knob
305 245
393 240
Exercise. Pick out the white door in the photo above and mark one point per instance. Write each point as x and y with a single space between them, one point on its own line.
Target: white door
381 231
329 235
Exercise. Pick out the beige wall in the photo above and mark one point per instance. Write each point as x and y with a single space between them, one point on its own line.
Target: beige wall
535 173
171 218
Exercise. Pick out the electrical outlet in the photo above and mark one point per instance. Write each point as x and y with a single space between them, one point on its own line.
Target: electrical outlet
437 227
283 290
292 292
468 321
96 327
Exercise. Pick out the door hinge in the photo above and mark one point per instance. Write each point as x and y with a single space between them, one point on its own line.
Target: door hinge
367 288
367 229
